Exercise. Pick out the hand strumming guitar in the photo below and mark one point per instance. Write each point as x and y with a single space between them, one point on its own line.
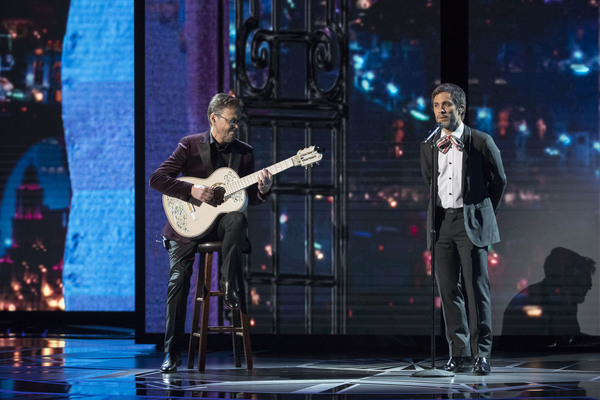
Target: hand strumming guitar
205 194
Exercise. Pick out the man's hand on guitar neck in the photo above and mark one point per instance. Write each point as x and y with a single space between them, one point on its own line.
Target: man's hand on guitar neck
265 180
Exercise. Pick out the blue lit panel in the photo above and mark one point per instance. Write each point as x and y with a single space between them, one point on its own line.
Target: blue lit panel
98 115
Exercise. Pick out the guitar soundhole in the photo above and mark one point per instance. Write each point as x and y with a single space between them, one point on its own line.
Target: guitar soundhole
218 194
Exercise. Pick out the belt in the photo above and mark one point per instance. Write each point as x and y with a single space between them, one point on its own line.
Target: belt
452 210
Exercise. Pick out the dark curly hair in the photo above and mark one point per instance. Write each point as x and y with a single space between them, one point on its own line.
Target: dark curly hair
459 98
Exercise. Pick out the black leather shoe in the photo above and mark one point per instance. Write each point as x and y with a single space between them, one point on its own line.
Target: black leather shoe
457 364
230 296
170 363
481 366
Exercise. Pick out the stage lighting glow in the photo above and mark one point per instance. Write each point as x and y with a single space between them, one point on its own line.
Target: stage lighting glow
269 250
580 69
392 89
359 62
419 115
523 127
483 113
37 95
533 311
565 139
366 85
283 218
363 234
551 151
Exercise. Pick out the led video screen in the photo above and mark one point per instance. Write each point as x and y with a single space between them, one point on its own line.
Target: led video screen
533 86
66 178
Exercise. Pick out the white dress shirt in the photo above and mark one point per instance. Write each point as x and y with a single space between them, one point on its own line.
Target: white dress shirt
450 185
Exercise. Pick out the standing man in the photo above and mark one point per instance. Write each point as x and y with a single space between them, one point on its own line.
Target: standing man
199 156
471 181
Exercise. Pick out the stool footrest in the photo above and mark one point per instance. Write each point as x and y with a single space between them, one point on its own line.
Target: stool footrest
214 294
220 329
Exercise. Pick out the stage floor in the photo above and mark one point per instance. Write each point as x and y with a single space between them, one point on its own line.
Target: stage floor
101 368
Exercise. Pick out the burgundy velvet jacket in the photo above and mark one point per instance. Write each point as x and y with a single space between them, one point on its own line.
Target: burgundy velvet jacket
192 158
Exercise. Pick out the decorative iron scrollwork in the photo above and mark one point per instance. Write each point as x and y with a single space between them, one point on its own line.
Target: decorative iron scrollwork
258 57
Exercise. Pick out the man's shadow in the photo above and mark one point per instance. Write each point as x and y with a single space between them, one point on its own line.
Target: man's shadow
546 311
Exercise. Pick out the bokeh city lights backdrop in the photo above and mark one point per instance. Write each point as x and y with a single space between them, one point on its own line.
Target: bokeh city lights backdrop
533 85
67 171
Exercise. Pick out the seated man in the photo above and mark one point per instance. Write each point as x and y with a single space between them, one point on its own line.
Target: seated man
199 156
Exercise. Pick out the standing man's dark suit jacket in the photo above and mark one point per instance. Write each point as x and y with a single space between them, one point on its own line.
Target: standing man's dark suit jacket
192 158
484 182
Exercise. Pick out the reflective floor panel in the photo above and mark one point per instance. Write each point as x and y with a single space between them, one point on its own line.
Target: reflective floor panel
100 368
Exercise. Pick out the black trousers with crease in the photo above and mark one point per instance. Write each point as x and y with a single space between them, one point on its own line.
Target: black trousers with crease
231 230
464 285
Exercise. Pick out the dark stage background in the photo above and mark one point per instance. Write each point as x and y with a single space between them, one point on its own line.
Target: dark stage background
339 249
531 72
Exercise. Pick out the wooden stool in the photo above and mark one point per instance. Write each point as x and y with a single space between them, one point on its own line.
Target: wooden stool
240 325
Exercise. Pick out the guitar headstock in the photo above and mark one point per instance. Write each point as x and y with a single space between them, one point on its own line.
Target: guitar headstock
308 156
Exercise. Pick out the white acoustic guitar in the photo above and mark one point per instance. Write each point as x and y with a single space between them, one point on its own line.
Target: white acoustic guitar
194 220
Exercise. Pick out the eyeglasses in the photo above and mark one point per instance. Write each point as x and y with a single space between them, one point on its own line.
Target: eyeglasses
233 122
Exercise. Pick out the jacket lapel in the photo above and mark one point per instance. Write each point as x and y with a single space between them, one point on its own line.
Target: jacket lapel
465 159
204 151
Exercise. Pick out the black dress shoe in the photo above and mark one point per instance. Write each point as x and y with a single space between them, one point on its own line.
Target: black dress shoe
481 366
170 363
230 296
457 364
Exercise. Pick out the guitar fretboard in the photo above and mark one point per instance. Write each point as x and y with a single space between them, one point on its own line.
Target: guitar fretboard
251 179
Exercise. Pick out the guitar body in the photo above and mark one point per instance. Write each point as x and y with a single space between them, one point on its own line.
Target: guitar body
194 220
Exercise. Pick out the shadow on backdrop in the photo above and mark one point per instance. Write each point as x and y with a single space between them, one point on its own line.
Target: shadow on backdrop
548 309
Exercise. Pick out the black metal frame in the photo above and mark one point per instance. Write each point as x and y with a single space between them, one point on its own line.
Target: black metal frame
320 108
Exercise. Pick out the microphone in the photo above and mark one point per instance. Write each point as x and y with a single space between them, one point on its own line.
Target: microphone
438 126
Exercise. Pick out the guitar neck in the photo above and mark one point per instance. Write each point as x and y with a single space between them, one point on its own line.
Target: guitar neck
251 179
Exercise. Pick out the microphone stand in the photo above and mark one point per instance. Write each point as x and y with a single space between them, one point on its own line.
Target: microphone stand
433 189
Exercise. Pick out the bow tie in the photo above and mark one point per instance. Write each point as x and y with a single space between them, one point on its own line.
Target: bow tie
447 141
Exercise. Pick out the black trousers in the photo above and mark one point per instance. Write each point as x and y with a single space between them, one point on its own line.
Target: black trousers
231 229
464 286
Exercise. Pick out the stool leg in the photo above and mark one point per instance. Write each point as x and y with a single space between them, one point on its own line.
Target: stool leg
196 314
246 336
235 339
205 313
